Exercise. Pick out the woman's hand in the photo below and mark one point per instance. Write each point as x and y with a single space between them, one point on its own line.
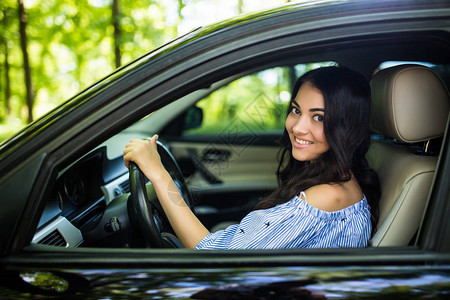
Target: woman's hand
145 154
187 227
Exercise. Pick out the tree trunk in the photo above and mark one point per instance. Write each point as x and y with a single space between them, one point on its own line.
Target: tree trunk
7 79
116 24
240 6
292 77
26 63
181 5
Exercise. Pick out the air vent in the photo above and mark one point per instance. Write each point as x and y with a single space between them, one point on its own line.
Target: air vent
54 239
125 186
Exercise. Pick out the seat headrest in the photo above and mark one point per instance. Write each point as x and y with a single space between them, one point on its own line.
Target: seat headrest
409 103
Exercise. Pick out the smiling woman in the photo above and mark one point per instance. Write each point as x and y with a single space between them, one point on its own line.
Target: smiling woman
305 124
325 141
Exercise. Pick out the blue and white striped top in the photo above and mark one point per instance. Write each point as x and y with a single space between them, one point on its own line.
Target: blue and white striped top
295 224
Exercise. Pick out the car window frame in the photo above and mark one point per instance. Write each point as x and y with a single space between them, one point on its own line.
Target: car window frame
138 106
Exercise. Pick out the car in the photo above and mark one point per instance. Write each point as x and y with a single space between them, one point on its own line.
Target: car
217 97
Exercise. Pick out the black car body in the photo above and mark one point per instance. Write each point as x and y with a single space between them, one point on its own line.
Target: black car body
77 147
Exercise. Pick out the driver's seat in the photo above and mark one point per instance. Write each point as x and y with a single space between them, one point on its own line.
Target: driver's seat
410 107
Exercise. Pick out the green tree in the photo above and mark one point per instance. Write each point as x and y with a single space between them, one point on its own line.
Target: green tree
52 49
181 5
240 6
116 25
26 64
5 79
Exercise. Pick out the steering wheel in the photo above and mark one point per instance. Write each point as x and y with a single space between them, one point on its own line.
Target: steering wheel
144 208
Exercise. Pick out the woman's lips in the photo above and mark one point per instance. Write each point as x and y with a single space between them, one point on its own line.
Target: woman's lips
302 143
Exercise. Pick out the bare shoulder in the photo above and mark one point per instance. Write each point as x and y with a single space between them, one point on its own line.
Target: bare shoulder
334 197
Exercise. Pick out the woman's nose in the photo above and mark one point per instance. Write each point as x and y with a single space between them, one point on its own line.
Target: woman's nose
300 126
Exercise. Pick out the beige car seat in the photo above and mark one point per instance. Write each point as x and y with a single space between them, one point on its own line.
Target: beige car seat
410 104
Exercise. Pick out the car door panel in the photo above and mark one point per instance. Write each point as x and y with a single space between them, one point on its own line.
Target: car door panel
229 176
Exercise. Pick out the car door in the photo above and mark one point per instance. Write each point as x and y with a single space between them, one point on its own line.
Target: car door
419 271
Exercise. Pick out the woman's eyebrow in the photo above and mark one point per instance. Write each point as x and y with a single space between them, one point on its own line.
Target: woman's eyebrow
311 110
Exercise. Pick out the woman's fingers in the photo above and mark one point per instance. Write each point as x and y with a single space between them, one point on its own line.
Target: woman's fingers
141 152
153 140
131 152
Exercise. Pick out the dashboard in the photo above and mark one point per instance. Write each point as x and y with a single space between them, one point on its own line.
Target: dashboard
79 198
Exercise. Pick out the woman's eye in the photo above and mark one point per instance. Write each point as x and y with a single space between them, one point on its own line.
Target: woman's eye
295 111
318 118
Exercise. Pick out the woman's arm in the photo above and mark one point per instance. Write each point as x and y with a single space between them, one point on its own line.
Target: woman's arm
187 227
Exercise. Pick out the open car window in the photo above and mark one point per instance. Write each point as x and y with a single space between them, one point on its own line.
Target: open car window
256 102
228 158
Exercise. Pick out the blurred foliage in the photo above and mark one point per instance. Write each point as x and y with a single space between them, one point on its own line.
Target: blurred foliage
253 103
72 44
46 281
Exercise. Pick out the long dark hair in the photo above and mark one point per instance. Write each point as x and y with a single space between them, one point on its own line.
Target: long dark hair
346 95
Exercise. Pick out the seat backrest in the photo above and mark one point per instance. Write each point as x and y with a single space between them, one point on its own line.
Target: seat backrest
410 104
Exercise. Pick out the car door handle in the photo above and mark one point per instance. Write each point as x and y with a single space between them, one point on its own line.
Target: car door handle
215 155
202 169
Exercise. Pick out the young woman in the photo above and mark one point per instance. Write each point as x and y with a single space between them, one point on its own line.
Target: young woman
327 195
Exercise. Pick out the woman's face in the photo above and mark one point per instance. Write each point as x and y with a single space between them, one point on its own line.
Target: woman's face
305 124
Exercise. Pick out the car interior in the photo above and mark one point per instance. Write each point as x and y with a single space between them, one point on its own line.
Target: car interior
410 104
220 145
